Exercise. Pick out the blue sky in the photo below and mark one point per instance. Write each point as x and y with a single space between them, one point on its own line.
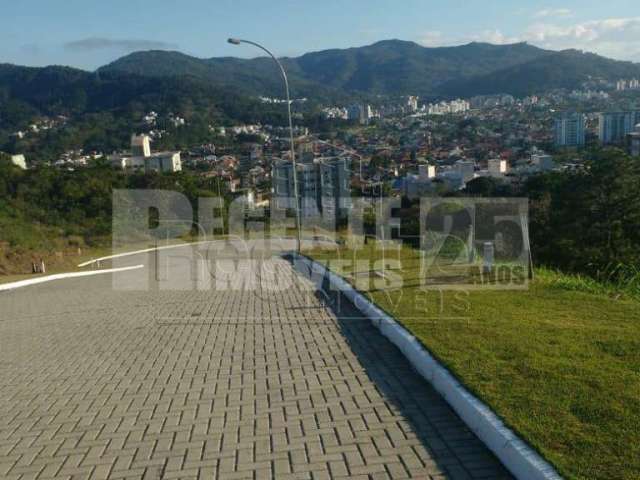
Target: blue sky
90 33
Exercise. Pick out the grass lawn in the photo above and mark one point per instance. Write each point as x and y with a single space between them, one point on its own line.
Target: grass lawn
559 361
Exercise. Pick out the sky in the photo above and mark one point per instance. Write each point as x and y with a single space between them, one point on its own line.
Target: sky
89 33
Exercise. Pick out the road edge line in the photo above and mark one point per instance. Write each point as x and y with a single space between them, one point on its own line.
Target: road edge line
137 252
60 276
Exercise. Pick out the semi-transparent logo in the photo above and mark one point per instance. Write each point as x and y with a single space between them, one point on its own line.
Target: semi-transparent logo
382 247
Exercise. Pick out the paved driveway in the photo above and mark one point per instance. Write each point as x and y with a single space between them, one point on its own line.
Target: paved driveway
233 383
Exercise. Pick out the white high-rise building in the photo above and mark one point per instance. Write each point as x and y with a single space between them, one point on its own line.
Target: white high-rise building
140 146
630 84
621 85
412 104
442 108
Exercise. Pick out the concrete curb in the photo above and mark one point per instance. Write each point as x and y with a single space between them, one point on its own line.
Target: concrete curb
60 276
518 457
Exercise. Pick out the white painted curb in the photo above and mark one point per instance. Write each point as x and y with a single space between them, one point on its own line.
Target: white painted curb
518 457
60 276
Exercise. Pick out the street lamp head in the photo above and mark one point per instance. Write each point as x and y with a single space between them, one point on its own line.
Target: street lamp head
237 41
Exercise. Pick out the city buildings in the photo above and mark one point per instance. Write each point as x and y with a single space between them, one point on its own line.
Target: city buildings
634 142
492 101
466 170
141 158
335 186
569 130
442 108
415 186
426 172
252 154
631 84
586 95
140 146
412 104
360 112
308 187
163 162
453 180
323 186
542 162
614 126
336 112
497 167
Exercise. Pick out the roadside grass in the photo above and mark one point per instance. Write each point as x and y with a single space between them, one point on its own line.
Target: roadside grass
68 260
623 286
558 361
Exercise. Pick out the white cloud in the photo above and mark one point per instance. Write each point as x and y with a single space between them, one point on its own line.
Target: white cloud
612 37
432 38
436 38
495 37
552 12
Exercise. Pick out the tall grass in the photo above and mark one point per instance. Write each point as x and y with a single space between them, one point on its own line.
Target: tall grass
615 281
625 277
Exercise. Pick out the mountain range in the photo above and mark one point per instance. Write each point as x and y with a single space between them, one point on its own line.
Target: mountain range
175 81
393 67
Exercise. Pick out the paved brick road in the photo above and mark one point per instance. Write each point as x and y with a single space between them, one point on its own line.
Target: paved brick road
96 383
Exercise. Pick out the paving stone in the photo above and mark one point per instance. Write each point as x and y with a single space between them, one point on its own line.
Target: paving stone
157 384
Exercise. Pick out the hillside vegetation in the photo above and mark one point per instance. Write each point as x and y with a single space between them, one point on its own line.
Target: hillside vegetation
45 212
393 67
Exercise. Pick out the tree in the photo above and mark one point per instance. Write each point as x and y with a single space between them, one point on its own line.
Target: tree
484 187
588 221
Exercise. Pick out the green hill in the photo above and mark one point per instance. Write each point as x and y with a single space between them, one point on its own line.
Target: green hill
386 67
566 69
392 67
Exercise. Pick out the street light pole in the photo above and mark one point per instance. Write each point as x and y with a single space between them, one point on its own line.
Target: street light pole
237 41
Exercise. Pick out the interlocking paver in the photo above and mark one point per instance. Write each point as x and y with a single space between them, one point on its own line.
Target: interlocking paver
101 383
